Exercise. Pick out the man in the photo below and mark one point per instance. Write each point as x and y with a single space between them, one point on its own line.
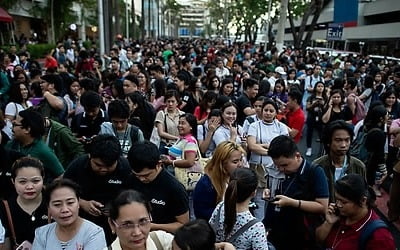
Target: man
169 200
127 134
53 105
221 71
295 116
301 196
130 84
244 102
87 124
102 174
60 139
28 129
338 136
115 67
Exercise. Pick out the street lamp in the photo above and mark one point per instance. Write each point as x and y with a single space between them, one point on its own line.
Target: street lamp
361 44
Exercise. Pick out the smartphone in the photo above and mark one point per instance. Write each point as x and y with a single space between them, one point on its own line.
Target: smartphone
26 245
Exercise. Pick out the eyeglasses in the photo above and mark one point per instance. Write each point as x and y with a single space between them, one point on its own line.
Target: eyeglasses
144 222
17 125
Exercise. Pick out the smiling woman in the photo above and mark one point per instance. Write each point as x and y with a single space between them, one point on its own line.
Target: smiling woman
69 231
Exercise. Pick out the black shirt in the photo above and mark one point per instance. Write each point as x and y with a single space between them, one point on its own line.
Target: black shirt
167 196
242 102
81 125
24 223
191 103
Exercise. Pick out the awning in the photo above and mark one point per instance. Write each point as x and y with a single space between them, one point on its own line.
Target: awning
5 17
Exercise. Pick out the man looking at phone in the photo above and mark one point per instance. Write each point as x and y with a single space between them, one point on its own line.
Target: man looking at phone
244 102
101 178
301 196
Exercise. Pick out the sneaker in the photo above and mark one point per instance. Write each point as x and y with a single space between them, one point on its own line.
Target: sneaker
309 152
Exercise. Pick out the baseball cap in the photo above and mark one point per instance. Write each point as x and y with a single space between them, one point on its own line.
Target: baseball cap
280 70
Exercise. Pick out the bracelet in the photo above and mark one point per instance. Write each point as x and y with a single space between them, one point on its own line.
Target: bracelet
173 163
298 206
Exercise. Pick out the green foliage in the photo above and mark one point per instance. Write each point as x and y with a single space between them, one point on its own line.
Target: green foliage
39 50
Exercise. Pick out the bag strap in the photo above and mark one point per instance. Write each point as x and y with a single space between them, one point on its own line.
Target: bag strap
10 222
241 230
156 240
368 230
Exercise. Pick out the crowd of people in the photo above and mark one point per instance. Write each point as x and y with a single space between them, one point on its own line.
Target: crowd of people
93 147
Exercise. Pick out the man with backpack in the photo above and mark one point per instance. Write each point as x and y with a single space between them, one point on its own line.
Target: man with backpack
127 134
338 162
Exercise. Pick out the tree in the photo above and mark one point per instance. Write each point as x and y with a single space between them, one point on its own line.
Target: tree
173 8
305 9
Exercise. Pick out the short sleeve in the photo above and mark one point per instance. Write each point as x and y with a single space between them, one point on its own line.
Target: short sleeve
320 184
160 117
253 129
200 132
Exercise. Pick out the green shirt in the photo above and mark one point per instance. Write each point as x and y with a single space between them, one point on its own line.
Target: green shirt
41 151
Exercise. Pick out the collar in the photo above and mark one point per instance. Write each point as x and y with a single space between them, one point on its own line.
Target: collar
359 224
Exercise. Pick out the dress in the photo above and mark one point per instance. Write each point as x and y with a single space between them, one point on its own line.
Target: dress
89 236
164 238
253 238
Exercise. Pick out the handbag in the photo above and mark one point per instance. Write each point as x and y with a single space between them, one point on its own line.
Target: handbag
190 176
155 137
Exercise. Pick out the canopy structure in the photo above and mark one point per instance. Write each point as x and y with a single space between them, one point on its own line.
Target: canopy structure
5 17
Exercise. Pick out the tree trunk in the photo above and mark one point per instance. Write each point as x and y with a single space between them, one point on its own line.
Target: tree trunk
317 13
303 24
293 28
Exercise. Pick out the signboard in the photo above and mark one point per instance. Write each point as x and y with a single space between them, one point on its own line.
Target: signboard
334 32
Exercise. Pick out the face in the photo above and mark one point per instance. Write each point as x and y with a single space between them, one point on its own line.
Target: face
319 88
129 87
184 127
75 87
24 91
147 175
215 82
18 131
291 103
252 91
233 162
100 168
288 165
132 106
390 100
345 206
269 113
172 104
229 115
141 78
278 88
340 142
378 78
336 98
28 183
64 206
21 78
114 65
258 107
317 70
92 112
96 64
228 88
119 123
132 225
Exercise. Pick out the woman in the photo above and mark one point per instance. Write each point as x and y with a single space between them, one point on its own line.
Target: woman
167 121
20 77
142 113
205 106
233 213
346 220
72 99
69 231
211 187
18 101
144 84
315 105
335 109
27 210
366 95
279 93
159 93
227 88
292 79
183 153
198 235
228 130
374 125
259 137
130 220
214 84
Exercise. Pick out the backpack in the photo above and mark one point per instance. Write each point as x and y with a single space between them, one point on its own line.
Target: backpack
360 111
134 133
357 146
367 232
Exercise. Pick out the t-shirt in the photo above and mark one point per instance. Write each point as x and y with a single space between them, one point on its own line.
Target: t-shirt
242 102
13 108
202 131
24 223
89 236
83 126
167 196
204 198
183 145
191 103
170 123
252 238
264 133
223 133
296 120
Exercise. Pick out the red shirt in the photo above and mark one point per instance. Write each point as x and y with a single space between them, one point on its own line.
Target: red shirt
50 62
346 237
295 120
198 114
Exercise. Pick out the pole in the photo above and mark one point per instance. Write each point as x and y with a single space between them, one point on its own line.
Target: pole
53 35
268 21
127 19
281 26
101 27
